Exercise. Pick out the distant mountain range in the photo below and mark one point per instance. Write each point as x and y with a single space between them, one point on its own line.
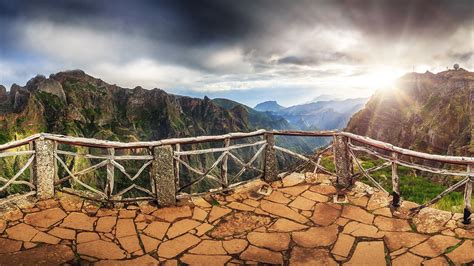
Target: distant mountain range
269 106
426 112
270 120
324 98
319 115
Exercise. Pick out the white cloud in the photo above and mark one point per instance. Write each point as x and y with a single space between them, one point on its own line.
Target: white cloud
228 60
146 73
79 44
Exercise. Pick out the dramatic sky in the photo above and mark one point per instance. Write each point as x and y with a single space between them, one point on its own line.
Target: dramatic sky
250 51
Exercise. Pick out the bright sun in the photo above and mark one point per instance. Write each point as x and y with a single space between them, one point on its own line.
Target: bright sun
380 78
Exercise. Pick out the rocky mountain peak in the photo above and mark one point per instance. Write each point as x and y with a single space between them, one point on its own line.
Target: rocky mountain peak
75 103
426 112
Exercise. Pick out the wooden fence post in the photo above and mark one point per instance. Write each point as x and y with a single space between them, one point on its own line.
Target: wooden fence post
224 166
110 173
177 164
342 161
44 171
162 171
395 182
468 195
270 172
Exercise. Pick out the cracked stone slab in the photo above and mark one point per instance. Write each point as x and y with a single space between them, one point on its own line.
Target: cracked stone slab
434 246
309 256
45 218
42 255
257 254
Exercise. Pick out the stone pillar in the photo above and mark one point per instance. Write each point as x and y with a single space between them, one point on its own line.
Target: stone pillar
163 174
342 161
271 170
44 168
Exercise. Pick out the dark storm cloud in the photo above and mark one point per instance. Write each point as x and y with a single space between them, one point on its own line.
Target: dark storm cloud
396 18
296 60
461 56
205 20
318 59
189 22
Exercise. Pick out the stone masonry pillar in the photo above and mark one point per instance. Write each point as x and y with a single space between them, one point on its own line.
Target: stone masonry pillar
44 168
271 171
342 161
163 174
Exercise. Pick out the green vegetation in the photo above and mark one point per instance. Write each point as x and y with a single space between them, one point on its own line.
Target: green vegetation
413 187
416 188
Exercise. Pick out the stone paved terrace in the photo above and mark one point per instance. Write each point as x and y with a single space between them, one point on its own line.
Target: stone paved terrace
296 224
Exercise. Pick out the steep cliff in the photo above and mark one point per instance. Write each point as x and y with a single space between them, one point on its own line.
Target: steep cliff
426 112
75 103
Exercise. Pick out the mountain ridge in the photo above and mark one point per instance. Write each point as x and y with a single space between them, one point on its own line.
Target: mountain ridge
74 103
426 112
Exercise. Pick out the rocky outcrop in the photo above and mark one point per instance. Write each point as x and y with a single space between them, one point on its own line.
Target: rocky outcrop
426 112
3 93
75 103
53 87
19 99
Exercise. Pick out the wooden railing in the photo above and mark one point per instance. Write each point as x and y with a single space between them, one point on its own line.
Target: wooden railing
159 166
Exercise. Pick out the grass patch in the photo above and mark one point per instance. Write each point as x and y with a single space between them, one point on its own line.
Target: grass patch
450 249
414 188
214 202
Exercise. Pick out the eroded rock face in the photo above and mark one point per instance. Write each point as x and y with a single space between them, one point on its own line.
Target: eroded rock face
434 126
3 93
50 104
18 98
53 87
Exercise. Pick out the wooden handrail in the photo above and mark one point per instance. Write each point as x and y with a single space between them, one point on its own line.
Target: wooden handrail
18 143
392 148
90 142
